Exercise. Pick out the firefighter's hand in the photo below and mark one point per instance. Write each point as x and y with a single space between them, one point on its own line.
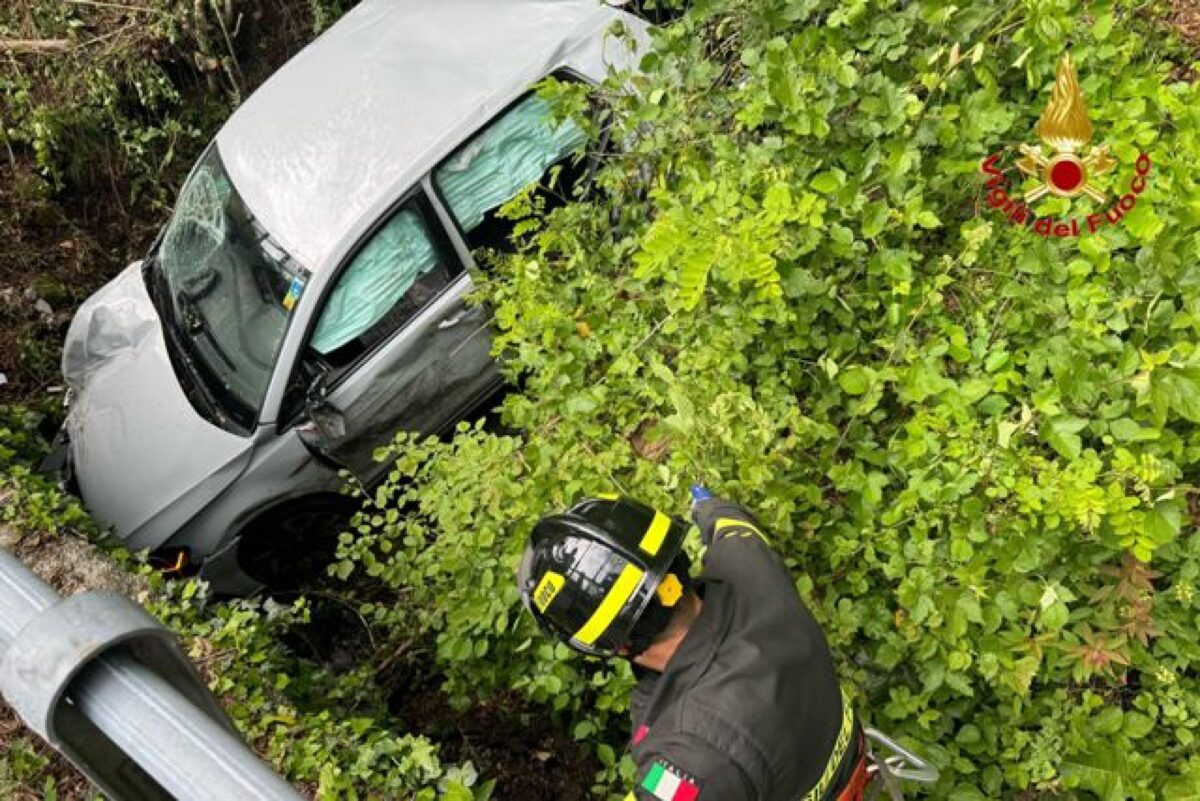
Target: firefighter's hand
705 511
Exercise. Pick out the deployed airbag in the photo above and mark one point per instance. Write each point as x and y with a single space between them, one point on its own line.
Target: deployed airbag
382 272
513 152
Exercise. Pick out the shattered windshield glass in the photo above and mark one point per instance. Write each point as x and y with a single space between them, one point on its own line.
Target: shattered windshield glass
230 289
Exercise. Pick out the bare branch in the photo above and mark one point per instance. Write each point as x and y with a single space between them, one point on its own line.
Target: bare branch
122 6
35 45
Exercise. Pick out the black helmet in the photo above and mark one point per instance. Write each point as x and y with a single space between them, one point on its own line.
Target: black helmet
589 575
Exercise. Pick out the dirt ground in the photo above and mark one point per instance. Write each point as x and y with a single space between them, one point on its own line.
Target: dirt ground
506 739
1185 16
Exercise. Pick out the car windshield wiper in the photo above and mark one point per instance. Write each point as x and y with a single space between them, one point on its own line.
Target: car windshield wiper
185 368
195 324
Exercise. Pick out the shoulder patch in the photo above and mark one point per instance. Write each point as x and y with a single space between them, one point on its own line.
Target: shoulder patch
666 782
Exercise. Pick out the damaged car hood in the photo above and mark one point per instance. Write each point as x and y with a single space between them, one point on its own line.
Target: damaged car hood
138 447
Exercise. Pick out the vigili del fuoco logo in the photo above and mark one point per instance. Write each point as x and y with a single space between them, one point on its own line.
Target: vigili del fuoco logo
1065 168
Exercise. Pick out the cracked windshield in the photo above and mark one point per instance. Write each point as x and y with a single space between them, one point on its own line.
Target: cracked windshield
231 289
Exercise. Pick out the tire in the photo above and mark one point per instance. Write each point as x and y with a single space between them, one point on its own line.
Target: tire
289 546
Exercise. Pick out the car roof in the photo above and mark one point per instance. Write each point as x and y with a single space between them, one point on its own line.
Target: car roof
378 99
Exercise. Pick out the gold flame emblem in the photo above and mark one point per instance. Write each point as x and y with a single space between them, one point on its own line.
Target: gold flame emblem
1066 129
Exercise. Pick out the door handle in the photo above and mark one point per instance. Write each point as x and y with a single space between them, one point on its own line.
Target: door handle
453 320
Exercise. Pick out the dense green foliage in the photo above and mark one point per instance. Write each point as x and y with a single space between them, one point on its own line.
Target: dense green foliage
976 446
93 100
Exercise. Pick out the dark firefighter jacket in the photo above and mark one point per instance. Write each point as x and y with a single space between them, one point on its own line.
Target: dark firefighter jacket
749 708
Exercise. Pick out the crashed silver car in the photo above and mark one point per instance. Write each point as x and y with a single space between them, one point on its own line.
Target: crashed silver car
306 299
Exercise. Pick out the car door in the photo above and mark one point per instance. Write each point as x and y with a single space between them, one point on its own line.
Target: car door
438 362
395 345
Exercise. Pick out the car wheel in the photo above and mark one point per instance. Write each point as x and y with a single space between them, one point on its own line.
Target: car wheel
289 547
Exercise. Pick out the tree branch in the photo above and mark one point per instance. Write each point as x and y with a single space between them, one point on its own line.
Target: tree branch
35 45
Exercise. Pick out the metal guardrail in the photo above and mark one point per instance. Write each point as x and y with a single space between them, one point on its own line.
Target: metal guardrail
105 684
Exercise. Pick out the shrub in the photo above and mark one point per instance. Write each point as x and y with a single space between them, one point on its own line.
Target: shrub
975 446
116 99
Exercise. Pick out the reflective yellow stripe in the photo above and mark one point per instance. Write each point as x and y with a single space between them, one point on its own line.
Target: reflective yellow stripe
608 609
840 747
630 797
609 496
729 522
654 536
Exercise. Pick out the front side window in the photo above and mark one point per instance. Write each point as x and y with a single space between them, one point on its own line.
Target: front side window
230 289
515 150
400 269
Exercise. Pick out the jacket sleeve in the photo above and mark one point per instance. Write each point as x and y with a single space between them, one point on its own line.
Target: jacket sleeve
687 768
718 519
738 550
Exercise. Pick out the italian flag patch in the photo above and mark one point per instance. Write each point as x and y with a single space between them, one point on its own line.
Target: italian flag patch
667 783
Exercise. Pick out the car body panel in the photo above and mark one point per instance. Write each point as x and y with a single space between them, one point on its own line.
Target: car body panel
282 470
418 381
137 445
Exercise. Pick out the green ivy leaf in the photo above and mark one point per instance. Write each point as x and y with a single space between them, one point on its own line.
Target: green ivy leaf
855 380
1163 522
1176 390
874 219
827 181
1105 772
1062 434
927 219
455 791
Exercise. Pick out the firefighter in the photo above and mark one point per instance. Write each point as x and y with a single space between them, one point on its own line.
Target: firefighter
737 699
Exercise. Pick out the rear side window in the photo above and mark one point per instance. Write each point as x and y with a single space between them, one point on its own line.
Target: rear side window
515 150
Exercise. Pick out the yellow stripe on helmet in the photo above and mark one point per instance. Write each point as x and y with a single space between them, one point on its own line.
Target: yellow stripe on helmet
652 540
611 606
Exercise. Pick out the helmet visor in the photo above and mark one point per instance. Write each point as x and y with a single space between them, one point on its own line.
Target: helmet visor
598 598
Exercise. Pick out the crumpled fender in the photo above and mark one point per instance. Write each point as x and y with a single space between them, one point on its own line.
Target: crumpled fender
114 319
